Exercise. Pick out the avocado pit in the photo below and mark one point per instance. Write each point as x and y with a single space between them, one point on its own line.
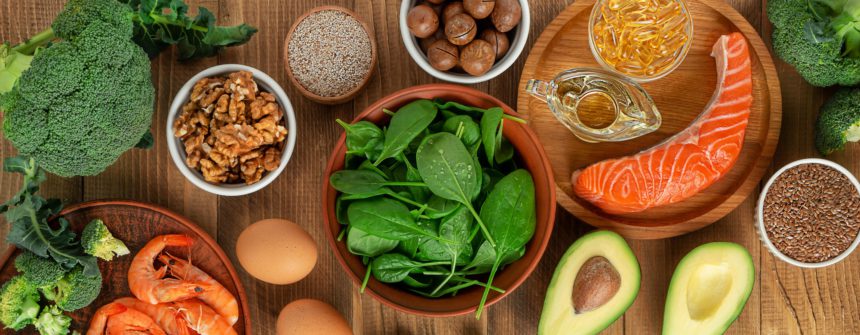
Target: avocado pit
596 283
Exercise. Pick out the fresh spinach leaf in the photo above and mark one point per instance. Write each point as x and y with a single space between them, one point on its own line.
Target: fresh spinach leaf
509 213
385 218
505 150
394 268
358 242
412 282
439 207
485 257
363 138
363 181
449 171
409 122
469 130
490 132
340 206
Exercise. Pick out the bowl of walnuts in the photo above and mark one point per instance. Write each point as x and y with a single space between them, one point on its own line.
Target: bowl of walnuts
465 42
231 130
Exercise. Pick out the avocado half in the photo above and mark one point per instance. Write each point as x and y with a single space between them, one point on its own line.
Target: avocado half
594 283
709 289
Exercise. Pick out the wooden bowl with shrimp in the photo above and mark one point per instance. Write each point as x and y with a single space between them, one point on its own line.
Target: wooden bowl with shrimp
136 223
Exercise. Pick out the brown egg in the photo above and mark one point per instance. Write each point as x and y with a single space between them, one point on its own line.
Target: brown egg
276 251
310 316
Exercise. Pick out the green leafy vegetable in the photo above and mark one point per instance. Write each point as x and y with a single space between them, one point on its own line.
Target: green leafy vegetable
510 215
41 271
409 122
159 24
449 171
409 197
363 138
394 268
385 218
28 214
361 243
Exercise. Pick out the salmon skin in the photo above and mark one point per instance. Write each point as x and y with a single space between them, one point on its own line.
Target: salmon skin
688 162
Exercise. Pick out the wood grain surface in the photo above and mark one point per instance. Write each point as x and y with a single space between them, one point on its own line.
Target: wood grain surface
681 97
786 300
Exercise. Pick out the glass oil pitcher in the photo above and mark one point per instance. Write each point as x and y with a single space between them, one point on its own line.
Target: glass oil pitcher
597 105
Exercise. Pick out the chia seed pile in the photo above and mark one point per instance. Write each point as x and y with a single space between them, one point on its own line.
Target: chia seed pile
329 53
812 213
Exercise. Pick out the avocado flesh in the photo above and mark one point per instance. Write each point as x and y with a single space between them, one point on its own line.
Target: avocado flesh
709 289
559 315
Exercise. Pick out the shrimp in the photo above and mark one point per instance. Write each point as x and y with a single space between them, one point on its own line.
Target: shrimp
202 319
162 314
214 295
116 318
99 320
149 284
133 321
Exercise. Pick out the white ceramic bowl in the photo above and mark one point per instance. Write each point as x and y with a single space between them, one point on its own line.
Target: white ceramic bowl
175 146
762 233
517 45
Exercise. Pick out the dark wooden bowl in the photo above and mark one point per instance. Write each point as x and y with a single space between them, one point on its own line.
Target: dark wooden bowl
349 95
533 158
136 223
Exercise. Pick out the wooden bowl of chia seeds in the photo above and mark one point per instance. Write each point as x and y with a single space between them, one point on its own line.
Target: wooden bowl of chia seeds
330 54
808 214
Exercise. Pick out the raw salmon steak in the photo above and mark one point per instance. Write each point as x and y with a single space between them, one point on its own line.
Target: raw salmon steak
688 162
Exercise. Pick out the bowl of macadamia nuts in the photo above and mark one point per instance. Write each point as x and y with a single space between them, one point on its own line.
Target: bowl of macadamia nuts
466 42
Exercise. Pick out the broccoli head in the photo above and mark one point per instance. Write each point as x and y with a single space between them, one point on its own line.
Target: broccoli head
40 271
82 103
74 291
77 15
98 241
19 303
838 121
52 322
813 48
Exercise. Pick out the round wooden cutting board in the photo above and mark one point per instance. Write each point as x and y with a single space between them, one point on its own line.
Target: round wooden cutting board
681 97
136 223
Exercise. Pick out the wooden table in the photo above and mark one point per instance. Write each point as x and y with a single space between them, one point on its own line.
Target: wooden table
786 300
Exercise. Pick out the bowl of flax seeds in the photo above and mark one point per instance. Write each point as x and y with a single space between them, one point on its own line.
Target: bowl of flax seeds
808 214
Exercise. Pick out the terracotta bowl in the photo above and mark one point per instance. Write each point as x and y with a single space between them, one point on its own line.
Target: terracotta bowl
349 95
529 153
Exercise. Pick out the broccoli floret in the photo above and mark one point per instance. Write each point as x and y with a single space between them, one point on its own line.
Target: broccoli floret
38 270
98 241
52 322
19 303
75 291
82 102
818 57
838 121
77 15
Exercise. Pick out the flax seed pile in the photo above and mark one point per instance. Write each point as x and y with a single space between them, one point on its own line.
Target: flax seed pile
330 53
812 213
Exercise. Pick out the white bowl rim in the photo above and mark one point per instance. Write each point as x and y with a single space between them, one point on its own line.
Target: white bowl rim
517 47
760 218
173 144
